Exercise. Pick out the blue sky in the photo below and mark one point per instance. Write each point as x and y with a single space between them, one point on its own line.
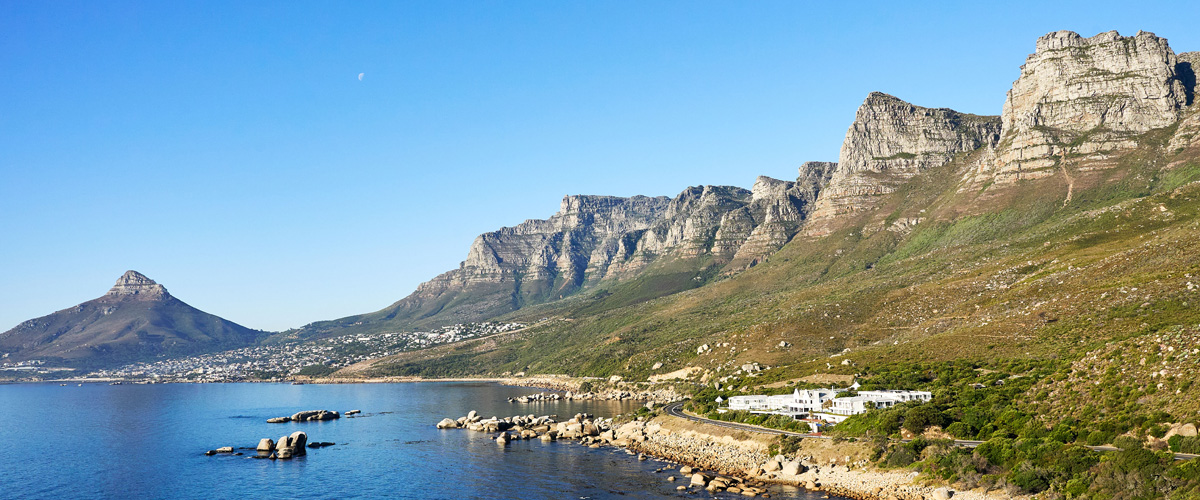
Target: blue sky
230 151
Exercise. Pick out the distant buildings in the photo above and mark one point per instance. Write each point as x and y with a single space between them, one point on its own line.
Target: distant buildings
823 404
287 359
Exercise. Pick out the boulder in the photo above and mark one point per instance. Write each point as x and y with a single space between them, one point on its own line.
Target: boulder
315 415
265 444
353 412
699 479
446 423
298 441
225 449
685 470
792 468
772 466
942 494
278 420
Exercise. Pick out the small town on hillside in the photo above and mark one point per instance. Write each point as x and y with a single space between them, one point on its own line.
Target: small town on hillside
288 359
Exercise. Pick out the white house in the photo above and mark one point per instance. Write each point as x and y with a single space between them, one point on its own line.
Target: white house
794 404
866 400
748 403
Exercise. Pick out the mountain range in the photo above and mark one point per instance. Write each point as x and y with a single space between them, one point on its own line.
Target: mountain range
1051 230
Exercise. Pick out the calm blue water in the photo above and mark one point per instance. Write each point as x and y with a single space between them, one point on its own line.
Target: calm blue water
148 441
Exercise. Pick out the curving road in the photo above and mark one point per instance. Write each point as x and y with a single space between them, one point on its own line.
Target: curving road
676 410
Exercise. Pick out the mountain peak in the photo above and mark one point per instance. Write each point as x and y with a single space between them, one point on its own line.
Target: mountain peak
135 283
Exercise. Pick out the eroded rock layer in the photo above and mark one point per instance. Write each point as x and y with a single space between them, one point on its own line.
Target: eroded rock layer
1086 98
890 142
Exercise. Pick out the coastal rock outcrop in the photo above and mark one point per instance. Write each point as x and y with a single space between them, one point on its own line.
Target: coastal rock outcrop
291 445
307 416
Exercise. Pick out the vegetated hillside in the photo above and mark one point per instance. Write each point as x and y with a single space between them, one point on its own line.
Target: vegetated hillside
1072 229
1025 277
136 320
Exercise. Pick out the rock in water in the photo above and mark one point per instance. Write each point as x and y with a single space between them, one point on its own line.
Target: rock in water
265 444
447 423
298 441
315 415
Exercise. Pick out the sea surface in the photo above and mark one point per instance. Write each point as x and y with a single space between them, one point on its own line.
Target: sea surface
99 441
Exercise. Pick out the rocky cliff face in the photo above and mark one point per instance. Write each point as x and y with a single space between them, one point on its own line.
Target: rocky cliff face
135 284
1075 96
1083 98
605 239
889 142
137 319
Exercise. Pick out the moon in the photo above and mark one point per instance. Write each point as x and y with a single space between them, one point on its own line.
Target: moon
360 75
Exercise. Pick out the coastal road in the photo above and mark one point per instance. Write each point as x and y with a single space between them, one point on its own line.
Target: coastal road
676 410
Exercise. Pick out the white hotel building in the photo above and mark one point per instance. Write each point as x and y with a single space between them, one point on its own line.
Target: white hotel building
794 404
824 403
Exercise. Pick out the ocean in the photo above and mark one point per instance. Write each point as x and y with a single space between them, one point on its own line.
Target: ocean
100 441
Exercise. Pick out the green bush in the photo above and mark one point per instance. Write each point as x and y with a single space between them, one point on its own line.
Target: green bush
1187 444
1097 438
919 418
997 451
960 430
1174 442
901 456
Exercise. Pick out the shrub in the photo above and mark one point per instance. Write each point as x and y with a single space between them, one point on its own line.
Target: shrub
960 430
901 456
919 418
1097 438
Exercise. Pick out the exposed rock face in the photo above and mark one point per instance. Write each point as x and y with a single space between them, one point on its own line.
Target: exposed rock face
133 283
779 208
595 239
889 142
1086 97
137 319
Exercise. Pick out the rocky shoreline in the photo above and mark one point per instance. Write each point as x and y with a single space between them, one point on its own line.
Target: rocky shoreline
718 459
659 396
840 469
